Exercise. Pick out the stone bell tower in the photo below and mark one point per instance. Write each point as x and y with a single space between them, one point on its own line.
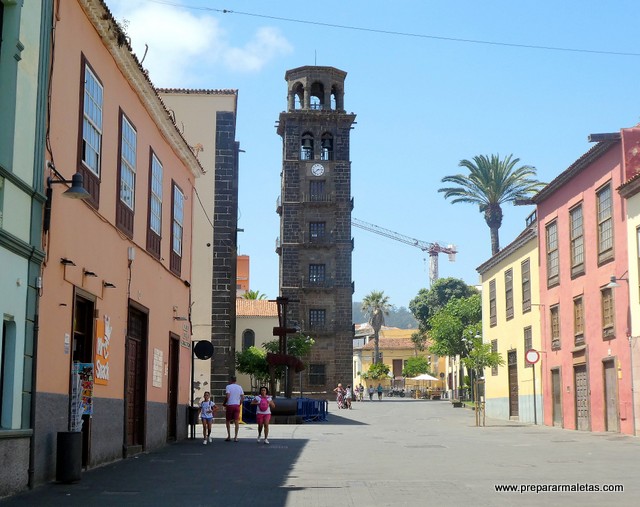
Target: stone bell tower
315 206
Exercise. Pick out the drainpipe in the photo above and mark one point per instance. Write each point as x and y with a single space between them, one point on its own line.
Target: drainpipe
34 373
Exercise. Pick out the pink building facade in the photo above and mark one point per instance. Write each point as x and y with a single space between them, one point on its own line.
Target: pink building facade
585 320
114 344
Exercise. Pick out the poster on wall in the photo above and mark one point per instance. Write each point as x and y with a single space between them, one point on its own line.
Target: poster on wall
82 393
103 346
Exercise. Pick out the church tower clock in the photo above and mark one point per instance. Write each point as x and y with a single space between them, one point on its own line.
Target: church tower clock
315 206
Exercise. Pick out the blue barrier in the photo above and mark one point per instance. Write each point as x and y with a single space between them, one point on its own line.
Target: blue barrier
312 410
309 409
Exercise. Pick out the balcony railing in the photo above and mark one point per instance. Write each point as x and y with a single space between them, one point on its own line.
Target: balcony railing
319 197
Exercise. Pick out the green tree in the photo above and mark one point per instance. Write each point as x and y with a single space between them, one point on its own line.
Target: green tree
376 306
415 366
491 182
377 371
253 362
480 356
254 294
298 345
429 301
460 318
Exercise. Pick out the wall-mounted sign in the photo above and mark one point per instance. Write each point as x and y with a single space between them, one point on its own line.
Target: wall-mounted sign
103 344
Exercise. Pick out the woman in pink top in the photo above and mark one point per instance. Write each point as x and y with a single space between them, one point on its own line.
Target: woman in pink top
263 412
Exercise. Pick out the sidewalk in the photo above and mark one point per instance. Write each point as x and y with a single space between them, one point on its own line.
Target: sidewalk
395 452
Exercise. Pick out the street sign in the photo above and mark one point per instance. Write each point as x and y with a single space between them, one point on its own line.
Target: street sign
532 356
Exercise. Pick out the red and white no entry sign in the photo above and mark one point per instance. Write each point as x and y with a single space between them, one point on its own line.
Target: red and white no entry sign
532 356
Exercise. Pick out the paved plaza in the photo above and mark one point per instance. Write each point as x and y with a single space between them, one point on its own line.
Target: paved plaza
394 452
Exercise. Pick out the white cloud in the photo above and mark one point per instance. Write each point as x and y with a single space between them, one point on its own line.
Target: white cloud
266 45
184 44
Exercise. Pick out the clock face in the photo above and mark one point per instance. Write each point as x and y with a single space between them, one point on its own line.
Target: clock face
317 169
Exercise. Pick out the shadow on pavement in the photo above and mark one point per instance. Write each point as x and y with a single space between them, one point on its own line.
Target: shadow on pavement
183 473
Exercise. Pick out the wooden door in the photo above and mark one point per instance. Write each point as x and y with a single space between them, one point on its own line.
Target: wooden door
397 371
583 417
557 398
612 418
512 362
135 380
172 386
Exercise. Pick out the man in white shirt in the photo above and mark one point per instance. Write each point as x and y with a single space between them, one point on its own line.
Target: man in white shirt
234 396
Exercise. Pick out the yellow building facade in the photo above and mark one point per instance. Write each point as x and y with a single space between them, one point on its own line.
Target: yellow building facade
396 347
511 320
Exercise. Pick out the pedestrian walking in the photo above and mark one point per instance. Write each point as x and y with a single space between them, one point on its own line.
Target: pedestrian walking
348 396
234 396
264 404
360 392
379 391
207 410
339 396
371 391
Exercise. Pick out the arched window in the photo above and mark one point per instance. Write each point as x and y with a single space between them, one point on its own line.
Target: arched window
298 96
317 96
306 147
248 339
327 146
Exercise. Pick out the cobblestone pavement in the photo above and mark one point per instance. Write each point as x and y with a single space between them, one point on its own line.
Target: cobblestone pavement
393 452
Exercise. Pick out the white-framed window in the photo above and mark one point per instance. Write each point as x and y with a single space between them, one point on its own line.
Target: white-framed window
155 200
92 121
128 149
178 220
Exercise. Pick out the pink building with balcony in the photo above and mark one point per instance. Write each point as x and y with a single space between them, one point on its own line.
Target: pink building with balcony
585 319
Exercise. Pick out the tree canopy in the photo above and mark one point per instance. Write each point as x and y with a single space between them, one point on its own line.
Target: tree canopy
460 318
376 305
429 301
254 294
491 182
415 366
377 371
481 356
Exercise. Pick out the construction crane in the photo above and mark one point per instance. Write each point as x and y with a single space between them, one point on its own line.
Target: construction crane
432 248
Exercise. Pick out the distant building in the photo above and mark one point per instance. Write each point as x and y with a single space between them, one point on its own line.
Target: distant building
255 320
395 348
243 282
208 118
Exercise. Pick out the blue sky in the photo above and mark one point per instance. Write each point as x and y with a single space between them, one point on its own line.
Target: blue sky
422 105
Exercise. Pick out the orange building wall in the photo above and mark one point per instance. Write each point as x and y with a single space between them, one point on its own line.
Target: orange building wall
242 283
90 238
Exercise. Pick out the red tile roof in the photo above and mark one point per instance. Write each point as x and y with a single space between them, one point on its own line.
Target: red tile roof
255 308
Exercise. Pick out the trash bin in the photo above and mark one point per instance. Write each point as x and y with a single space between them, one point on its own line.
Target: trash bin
192 415
69 456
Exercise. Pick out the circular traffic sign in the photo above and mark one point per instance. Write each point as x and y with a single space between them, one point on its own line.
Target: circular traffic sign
532 356
203 349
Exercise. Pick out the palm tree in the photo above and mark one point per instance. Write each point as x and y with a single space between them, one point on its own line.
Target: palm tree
491 182
375 306
254 294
